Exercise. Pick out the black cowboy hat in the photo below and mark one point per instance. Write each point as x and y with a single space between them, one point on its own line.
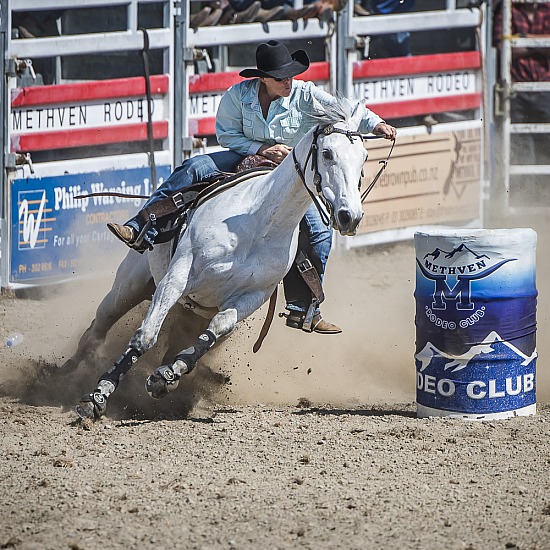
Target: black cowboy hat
273 60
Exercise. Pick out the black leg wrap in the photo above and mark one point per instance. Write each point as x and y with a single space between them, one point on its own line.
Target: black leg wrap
191 355
122 365
93 405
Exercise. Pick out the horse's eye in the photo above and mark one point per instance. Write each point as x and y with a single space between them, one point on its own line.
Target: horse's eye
327 154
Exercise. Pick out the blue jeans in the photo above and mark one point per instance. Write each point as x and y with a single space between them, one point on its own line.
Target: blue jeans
210 167
319 238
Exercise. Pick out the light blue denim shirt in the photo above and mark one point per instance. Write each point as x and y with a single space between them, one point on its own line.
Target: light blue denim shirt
241 127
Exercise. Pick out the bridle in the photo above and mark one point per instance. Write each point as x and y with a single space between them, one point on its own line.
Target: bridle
313 155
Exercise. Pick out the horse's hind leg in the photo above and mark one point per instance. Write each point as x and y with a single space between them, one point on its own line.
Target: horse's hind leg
133 285
170 289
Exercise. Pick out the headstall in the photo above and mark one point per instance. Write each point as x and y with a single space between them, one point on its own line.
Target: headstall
327 130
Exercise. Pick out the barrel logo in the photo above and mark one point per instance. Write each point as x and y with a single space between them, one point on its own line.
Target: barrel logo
452 279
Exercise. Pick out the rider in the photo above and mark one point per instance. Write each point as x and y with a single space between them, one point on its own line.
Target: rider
265 116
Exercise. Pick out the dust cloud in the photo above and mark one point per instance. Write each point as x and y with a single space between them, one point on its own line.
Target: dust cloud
369 293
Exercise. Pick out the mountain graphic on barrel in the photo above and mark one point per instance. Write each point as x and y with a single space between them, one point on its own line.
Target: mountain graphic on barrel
449 255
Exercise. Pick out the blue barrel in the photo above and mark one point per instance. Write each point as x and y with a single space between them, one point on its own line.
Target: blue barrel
476 301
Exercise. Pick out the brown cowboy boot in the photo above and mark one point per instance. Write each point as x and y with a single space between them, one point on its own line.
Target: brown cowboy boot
324 10
324 327
198 18
213 18
232 17
358 9
249 14
124 233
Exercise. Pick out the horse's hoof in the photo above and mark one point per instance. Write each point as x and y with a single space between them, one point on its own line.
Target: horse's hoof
161 382
92 406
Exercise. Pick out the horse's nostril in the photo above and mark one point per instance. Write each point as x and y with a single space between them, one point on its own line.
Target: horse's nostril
344 218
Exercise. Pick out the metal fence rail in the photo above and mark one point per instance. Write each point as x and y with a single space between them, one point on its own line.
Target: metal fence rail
506 89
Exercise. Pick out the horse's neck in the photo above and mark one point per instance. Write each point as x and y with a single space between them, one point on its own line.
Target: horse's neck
287 193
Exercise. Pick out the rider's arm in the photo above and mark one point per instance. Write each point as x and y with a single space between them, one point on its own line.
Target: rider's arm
229 124
370 121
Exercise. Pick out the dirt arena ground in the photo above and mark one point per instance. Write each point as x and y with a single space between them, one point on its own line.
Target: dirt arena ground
311 443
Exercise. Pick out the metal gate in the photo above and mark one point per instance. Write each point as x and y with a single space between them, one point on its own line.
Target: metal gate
85 124
510 170
448 185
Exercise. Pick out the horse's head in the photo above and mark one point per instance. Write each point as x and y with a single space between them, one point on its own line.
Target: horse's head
337 158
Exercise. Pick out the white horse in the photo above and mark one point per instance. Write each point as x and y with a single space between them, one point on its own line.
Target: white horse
237 247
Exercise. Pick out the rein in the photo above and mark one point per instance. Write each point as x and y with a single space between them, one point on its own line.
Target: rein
327 130
315 198
111 194
384 164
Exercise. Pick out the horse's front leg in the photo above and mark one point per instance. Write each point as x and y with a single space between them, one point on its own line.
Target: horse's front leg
94 404
166 378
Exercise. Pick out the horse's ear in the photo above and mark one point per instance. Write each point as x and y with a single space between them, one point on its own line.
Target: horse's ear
358 114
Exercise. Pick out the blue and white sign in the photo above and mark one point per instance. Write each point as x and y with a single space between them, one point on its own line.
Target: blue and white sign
52 228
476 323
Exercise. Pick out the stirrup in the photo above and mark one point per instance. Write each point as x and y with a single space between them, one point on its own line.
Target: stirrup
294 319
299 320
141 243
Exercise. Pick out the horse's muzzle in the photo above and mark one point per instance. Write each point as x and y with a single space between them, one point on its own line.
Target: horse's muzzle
347 221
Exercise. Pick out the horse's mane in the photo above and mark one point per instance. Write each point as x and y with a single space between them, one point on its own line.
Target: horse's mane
331 113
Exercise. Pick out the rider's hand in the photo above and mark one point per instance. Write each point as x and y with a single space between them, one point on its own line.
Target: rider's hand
386 130
276 152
